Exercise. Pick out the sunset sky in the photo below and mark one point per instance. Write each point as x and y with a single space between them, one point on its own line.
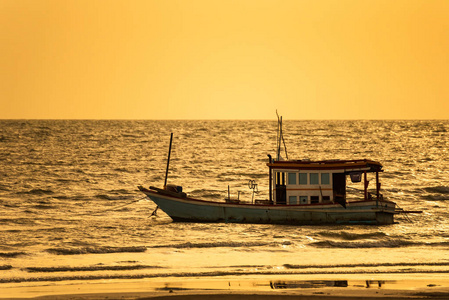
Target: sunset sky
195 59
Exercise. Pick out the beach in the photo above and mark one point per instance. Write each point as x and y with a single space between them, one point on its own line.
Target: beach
259 287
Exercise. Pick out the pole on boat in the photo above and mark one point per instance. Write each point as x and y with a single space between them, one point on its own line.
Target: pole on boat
366 182
168 160
377 189
270 180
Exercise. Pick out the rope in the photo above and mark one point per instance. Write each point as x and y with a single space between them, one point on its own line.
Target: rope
405 214
113 208
154 213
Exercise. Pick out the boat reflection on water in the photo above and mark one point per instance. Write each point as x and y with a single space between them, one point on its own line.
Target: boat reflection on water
305 284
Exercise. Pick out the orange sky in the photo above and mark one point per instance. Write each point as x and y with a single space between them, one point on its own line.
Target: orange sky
195 59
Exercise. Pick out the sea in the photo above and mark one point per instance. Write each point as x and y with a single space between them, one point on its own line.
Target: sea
71 212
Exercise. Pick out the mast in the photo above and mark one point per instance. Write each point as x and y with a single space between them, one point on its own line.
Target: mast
168 161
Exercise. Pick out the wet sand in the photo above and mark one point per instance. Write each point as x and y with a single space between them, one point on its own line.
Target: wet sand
224 295
287 287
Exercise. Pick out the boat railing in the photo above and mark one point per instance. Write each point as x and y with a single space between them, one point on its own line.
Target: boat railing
232 201
263 202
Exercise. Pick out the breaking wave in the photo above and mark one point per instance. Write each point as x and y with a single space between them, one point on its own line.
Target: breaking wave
370 265
90 268
213 245
95 250
365 244
374 244
350 236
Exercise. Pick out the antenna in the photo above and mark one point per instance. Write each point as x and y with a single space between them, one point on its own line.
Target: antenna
280 139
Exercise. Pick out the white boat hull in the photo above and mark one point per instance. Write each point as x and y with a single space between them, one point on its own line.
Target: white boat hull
193 210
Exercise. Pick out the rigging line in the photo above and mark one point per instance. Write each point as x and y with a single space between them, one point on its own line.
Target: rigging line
280 138
278 142
285 148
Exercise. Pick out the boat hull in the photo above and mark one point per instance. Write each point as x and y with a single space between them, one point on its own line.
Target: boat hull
193 210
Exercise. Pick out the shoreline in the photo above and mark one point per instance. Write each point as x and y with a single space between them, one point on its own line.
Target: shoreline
351 287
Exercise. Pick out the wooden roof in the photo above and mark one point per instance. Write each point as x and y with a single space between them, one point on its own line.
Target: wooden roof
353 165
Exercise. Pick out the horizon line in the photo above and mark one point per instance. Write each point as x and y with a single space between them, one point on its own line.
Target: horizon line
218 119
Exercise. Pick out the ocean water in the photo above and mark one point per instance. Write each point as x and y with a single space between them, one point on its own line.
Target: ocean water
70 210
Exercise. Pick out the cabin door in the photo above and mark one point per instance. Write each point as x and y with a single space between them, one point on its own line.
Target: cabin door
339 185
281 188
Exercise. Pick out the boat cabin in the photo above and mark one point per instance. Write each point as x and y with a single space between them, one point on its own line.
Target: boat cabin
303 182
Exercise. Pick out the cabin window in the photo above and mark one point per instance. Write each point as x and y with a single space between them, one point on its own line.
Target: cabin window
303 199
314 199
326 199
291 178
325 178
314 178
292 200
302 178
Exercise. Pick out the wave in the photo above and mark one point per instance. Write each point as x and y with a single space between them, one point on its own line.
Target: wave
90 268
95 250
437 189
17 221
104 197
11 254
124 170
434 193
66 180
121 191
370 265
112 197
240 174
213 245
365 244
5 267
435 197
397 243
37 192
4 187
44 206
350 236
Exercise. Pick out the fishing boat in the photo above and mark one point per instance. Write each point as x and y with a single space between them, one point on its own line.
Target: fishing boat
301 192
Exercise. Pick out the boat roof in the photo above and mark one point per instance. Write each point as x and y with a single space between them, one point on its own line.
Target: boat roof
346 165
